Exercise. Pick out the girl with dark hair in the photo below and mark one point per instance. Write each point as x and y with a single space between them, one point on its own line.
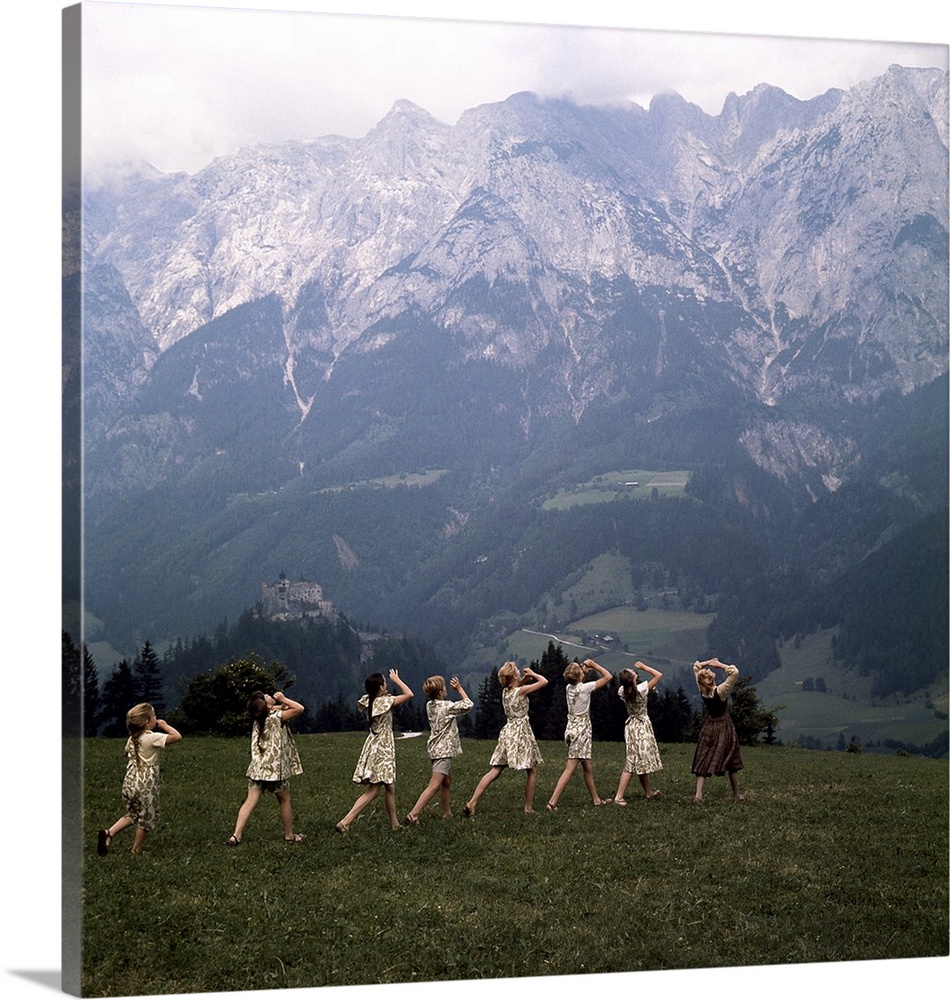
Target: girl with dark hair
516 748
643 755
376 766
140 787
578 732
274 760
717 750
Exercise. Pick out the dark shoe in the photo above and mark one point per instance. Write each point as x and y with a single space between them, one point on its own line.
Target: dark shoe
102 843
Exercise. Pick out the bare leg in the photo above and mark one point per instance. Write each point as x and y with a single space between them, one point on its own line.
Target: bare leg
358 806
435 783
588 768
244 813
286 814
117 827
734 781
445 796
487 779
700 781
529 786
569 768
625 777
645 784
138 845
390 801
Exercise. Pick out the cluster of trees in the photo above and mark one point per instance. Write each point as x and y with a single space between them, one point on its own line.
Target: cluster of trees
214 700
93 709
675 717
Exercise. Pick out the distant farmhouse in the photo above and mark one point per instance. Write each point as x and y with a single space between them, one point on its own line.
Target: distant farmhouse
284 600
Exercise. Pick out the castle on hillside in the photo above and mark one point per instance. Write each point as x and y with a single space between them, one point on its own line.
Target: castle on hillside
284 600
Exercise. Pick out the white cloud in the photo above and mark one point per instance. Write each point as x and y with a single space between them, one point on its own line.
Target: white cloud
178 85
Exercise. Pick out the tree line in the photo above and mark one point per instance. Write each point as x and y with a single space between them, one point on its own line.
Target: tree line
213 700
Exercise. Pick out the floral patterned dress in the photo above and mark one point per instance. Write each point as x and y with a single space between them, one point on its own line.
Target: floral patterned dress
516 748
273 758
143 779
377 763
643 755
578 734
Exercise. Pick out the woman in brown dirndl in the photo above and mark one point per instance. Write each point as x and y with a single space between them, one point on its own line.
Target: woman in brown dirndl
717 751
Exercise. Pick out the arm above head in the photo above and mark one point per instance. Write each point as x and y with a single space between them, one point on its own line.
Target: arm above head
171 733
655 675
464 704
403 687
732 675
289 709
605 675
537 682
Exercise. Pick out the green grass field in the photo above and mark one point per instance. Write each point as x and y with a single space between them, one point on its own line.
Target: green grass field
832 857
637 484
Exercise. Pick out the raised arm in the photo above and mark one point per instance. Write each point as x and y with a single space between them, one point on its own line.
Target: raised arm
655 675
537 682
605 675
289 709
406 693
464 704
171 733
732 675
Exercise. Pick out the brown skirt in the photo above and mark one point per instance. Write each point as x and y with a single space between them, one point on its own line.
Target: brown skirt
717 751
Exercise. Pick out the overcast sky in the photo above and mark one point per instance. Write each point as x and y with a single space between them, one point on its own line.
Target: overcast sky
29 400
179 85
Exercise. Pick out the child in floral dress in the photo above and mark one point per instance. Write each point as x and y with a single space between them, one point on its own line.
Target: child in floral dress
643 755
516 748
143 777
376 766
578 732
444 742
274 761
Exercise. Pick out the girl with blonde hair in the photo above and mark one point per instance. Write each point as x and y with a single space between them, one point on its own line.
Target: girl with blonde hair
516 748
717 750
578 732
443 743
143 777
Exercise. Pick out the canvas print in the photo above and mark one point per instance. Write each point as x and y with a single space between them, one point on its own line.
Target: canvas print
505 500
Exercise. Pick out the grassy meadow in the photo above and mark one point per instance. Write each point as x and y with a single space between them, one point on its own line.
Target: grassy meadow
832 857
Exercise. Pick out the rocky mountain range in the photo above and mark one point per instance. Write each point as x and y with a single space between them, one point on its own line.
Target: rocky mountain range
537 285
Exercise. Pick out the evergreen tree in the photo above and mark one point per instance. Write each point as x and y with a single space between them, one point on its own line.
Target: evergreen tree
148 679
548 707
119 694
489 714
71 687
748 715
91 702
671 715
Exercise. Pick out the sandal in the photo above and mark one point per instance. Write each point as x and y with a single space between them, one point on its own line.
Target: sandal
411 820
620 802
233 841
295 839
550 808
468 812
102 843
